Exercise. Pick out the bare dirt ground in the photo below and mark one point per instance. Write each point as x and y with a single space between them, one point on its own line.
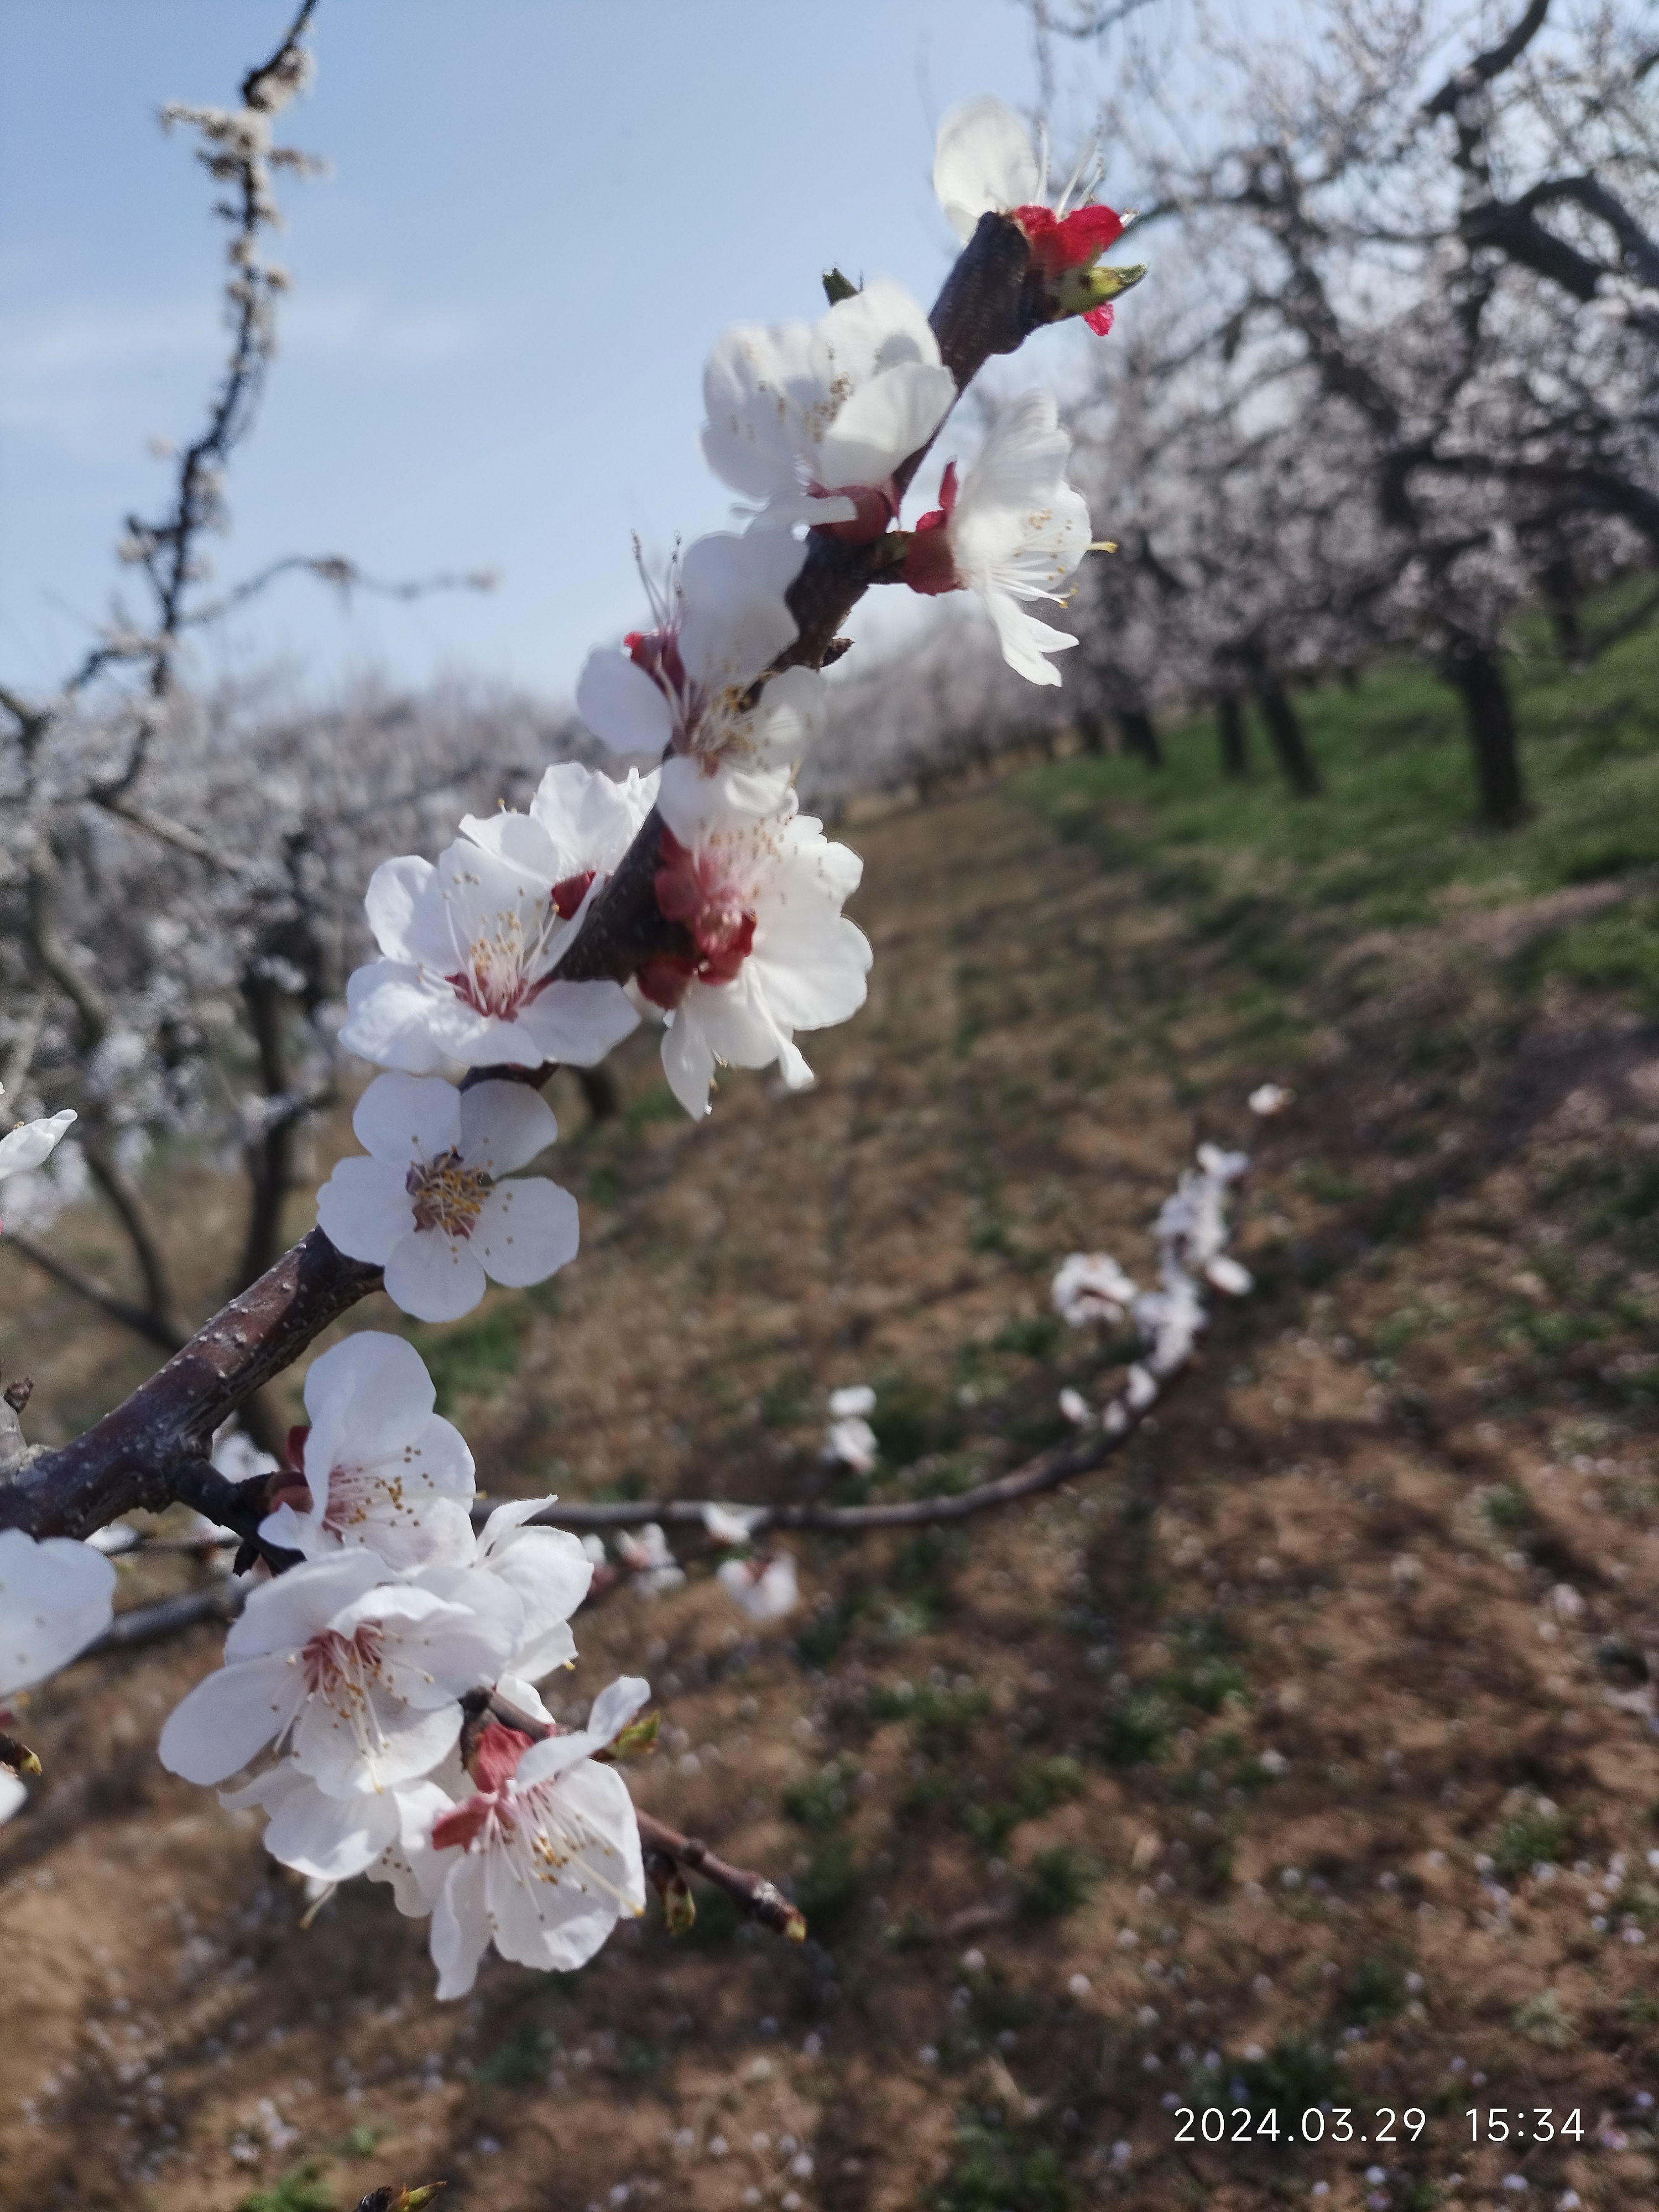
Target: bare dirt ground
1302 1761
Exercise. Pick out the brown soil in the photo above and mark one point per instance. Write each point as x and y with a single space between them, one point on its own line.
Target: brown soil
1307 1753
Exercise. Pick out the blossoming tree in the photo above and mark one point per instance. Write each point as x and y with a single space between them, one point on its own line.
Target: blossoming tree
379 1691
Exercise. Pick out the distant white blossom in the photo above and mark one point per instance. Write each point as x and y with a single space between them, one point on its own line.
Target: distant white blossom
1092 1287
645 1553
766 1589
1269 1099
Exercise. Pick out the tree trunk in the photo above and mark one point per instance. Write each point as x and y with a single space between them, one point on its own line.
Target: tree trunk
1092 733
1235 738
1140 735
1490 718
1289 744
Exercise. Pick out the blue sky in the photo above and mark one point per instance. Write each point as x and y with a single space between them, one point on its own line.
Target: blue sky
541 214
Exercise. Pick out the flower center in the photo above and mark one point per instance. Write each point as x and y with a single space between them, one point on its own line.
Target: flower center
336 1666
448 1196
495 972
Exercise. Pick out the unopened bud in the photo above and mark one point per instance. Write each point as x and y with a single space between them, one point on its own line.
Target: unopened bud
391 2199
638 1740
18 1756
838 287
1080 291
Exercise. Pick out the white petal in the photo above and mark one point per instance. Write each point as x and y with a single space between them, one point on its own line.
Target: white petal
332 1838
283 1615
54 1599
984 162
368 1394
350 1748
434 1277
364 1209
1025 639
390 1018
527 1230
504 1126
892 417
460 1927
737 620
30 1143
394 889
688 1061
404 1118
230 1714
578 1022
615 1705
620 705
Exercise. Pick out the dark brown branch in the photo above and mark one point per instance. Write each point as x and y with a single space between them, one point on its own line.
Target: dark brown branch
131 1458
1493 62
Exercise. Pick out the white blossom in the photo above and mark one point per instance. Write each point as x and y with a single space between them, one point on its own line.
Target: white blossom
773 951
363 1675
54 1601
766 1589
430 1204
686 688
732 1524
380 1467
811 422
1269 1099
549 1570
1092 1287
645 1553
544 1857
27 1148
469 944
1015 529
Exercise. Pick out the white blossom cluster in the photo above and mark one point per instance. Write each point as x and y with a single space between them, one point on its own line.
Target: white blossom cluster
813 425
1192 1235
374 1678
352 1664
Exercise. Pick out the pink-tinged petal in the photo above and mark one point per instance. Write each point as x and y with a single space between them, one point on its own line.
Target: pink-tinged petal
282 1615
460 1927
364 1209
577 1024
434 1277
504 1126
394 889
527 1230
620 704
229 1716
983 161
403 1118
332 1838
390 1018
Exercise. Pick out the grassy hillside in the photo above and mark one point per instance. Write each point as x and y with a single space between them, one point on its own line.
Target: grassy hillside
1305 1756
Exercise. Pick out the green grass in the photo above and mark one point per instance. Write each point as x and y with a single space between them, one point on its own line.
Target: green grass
300 2190
470 1359
1269 881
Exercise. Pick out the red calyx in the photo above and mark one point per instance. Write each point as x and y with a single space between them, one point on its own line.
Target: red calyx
1100 320
876 505
294 1447
568 895
929 567
689 891
657 653
1069 241
494 1762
